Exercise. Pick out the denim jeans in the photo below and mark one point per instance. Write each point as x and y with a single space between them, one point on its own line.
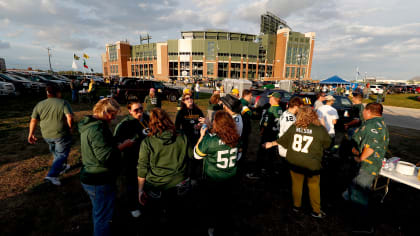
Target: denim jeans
74 95
103 204
60 148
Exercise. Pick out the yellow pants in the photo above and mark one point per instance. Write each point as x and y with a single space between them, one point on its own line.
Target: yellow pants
314 191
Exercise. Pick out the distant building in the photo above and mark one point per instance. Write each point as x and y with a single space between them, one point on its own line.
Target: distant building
270 23
283 54
2 64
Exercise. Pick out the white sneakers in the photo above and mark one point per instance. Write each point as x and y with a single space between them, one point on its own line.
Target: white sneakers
53 180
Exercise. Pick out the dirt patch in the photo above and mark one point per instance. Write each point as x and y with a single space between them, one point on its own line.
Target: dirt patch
28 206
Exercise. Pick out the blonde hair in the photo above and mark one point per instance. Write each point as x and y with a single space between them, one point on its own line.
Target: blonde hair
104 106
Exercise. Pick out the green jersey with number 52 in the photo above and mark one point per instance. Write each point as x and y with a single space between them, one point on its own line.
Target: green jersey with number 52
305 146
219 158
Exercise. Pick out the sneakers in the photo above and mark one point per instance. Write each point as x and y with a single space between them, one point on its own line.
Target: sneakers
252 176
53 180
135 213
319 215
210 231
296 209
66 168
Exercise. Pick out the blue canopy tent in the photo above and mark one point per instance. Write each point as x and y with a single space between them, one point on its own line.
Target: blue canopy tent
335 80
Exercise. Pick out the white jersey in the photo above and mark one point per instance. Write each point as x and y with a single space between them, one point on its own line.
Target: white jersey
287 119
327 114
239 123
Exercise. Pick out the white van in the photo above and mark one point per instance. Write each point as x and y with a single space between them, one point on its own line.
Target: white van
7 89
376 89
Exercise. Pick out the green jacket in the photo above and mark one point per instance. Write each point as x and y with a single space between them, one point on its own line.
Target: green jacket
270 123
100 154
152 102
305 146
373 134
163 160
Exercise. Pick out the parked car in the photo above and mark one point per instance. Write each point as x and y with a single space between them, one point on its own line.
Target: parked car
20 86
400 89
35 86
7 89
135 89
376 89
417 90
260 99
342 104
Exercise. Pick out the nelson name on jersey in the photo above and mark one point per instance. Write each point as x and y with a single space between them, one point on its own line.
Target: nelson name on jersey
303 130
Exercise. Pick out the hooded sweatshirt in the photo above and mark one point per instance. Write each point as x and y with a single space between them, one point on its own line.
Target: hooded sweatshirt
100 154
163 160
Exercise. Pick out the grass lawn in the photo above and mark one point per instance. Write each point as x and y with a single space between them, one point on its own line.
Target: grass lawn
398 100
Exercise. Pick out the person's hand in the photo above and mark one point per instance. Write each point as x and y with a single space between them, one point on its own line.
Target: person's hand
32 139
127 143
268 145
142 197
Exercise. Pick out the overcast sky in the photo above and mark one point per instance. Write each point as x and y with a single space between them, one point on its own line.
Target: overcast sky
380 37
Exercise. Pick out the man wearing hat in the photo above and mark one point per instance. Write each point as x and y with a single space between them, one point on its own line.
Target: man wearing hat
233 106
269 129
328 116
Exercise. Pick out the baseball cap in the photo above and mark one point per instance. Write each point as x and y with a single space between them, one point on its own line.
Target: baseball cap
186 91
275 94
235 91
152 89
329 98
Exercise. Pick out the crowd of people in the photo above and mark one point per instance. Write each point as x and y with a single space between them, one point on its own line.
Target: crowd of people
161 160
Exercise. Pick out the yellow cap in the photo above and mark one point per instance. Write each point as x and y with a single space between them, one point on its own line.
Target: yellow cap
235 91
186 91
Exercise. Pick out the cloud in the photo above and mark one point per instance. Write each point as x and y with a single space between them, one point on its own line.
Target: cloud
14 34
363 40
398 30
59 36
4 44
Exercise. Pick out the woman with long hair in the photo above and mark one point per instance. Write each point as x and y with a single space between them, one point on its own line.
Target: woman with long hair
220 151
305 142
162 165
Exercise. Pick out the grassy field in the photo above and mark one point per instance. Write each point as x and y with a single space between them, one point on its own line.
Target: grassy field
398 100
28 206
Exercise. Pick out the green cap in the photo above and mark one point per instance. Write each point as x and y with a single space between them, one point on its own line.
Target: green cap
275 94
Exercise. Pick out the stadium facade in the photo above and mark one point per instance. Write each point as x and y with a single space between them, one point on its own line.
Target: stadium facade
272 55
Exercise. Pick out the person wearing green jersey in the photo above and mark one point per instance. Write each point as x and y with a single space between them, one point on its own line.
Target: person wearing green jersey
371 141
162 172
305 141
134 127
220 151
269 130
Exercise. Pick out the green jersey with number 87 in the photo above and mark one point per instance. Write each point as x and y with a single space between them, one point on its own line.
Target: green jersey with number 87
219 159
305 146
